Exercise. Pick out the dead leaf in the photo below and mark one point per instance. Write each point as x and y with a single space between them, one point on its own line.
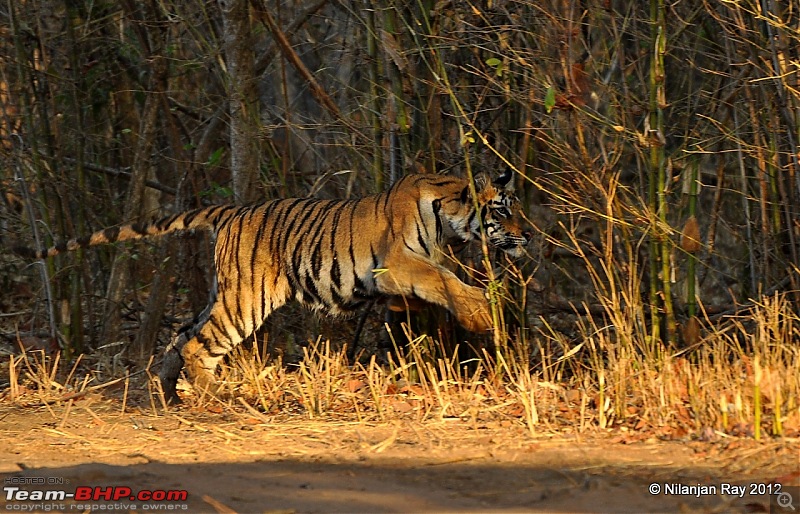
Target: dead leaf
355 385
402 406
394 51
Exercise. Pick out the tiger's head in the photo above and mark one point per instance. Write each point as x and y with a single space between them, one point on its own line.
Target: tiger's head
498 213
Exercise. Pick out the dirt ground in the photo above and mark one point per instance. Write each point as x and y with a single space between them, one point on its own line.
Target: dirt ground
230 462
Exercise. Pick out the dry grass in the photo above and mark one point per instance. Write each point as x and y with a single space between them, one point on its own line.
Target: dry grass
741 380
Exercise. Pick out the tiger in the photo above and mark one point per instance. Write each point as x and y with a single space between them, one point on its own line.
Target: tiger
332 256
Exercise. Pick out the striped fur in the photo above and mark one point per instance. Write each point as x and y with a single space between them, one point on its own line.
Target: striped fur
330 255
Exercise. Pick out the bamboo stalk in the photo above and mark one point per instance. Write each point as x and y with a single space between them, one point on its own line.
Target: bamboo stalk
690 241
375 74
757 398
397 119
743 181
80 276
660 276
763 200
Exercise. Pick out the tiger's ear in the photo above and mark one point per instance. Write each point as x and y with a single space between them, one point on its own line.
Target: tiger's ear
480 181
503 181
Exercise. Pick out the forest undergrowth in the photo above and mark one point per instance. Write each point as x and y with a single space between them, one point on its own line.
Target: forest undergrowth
741 381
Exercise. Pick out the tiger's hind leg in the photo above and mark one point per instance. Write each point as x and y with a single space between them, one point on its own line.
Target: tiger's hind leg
173 362
201 348
246 289
198 361
201 366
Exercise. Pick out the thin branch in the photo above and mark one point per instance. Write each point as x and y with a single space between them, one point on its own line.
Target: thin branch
123 172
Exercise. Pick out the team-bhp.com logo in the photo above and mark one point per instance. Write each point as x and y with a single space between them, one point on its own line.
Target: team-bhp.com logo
157 498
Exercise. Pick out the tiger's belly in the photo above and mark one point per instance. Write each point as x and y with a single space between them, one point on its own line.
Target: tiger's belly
336 294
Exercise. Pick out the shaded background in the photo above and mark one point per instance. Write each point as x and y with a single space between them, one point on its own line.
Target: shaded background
656 145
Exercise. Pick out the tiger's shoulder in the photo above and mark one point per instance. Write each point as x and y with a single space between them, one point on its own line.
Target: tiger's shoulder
417 194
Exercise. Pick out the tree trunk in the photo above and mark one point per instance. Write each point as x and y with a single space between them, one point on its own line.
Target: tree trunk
243 108
118 281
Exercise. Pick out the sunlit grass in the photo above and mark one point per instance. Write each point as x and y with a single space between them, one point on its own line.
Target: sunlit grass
742 380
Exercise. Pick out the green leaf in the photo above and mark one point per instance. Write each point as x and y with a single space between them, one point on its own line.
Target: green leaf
550 99
215 157
497 64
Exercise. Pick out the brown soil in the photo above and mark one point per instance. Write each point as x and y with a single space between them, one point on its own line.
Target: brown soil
229 461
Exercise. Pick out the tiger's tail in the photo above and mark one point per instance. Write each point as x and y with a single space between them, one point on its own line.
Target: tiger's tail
207 218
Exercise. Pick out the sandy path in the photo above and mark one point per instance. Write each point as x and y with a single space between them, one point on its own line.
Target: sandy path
232 462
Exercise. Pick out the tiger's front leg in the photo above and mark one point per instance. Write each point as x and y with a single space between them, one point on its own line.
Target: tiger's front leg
414 276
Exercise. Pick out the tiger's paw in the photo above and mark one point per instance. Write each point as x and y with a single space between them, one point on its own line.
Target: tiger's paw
200 367
475 315
478 322
205 383
211 388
